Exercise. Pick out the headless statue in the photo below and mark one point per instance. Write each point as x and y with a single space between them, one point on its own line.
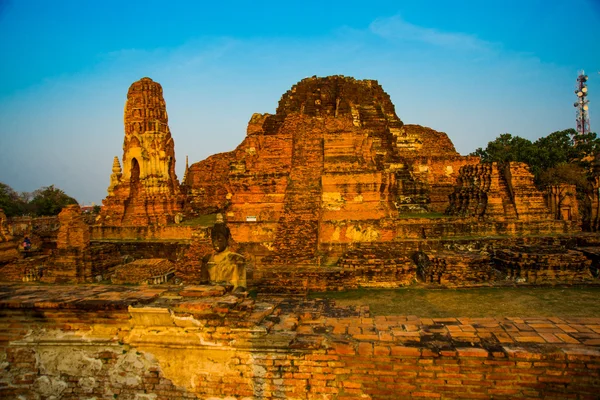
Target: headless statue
224 266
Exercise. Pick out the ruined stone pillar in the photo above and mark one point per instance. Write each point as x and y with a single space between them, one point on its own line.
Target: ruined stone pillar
70 261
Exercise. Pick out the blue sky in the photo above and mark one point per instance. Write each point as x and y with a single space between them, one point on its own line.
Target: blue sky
473 69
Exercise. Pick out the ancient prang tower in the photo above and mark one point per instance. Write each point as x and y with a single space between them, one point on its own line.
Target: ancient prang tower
146 190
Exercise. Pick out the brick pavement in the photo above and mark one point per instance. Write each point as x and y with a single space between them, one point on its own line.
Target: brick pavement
307 317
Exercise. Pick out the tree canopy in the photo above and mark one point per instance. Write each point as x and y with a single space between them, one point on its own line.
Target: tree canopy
505 148
561 157
10 201
48 200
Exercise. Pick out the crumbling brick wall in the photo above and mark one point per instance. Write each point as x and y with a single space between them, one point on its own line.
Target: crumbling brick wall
72 354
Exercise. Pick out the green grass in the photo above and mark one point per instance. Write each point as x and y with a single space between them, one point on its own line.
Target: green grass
202 220
429 215
475 303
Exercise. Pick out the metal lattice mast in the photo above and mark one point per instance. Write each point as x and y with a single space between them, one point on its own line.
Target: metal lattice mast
583 116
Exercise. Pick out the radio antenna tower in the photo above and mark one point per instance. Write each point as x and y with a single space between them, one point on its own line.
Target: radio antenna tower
582 104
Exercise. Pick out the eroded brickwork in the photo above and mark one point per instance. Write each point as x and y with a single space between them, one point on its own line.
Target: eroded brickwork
146 190
379 265
455 268
562 202
4 234
529 202
151 271
297 235
543 265
431 159
500 192
147 343
75 259
73 232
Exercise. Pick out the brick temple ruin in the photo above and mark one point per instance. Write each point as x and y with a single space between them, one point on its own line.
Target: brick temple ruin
331 192
146 191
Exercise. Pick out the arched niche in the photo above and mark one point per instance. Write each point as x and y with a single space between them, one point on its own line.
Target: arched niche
135 170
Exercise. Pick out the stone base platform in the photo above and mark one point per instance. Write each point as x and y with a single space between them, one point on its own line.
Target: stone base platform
300 279
198 342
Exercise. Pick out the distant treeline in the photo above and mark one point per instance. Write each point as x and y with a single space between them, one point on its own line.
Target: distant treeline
561 157
44 201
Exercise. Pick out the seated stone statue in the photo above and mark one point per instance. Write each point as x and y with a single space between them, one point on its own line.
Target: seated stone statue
224 266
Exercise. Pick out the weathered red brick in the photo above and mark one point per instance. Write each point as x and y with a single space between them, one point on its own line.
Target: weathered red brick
405 351
426 394
344 348
365 348
381 351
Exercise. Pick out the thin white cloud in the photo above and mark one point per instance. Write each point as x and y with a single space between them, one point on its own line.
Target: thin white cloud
396 28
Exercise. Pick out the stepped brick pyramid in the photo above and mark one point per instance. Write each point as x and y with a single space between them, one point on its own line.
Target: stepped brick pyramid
334 151
146 191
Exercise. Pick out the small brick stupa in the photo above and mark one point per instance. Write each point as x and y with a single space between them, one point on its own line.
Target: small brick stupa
146 191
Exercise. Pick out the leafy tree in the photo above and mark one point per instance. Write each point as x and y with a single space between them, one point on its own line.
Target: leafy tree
550 151
505 148
560 153
570 173
49 201
561 157
586 146
547 155
10 201
26 197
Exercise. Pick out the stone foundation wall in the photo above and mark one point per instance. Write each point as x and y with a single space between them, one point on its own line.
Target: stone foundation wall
21 226
456 268
302 350
543 265
301 279
24 270
372 264
147 233
253 232
386 230
367 370
172 251
378 265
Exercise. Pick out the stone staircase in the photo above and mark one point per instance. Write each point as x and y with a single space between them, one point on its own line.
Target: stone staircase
297 237
508 203
413 196
482 190
135 212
